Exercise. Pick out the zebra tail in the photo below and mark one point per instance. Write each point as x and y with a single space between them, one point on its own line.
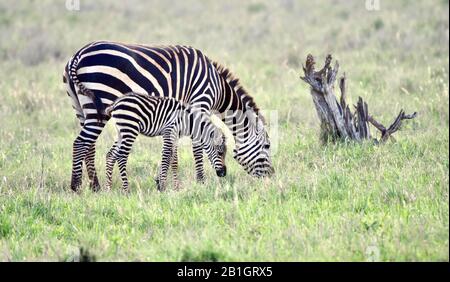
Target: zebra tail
85 91
109 109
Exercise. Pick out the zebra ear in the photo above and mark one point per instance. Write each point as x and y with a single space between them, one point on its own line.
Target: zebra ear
251 115
235 152
216 138
256 119
259 124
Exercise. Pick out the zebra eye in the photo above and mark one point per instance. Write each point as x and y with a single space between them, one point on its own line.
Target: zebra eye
267 146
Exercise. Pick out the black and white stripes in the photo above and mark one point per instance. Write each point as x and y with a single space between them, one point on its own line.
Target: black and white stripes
102 71
155 116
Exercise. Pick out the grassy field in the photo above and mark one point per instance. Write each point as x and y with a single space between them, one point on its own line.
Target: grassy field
351 202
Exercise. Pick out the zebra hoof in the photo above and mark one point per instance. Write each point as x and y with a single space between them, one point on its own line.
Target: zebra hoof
75 185
201 180
159 185
95 186
76 190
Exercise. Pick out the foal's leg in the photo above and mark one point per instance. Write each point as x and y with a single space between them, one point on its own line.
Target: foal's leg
167 157
110 161
198 158
197 149
123 150
174 167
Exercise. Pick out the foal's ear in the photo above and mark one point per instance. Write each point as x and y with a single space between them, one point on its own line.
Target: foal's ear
235 152
216 137
213 137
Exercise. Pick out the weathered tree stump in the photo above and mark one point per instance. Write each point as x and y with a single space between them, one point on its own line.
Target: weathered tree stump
336 119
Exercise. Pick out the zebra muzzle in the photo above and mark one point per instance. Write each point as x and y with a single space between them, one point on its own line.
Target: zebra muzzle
221 172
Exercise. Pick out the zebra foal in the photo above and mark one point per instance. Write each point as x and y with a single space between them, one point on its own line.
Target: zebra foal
157 116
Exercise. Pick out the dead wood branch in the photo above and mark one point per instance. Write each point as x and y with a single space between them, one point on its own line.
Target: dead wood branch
336 119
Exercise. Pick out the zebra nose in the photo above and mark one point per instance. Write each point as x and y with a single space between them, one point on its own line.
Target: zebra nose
222 172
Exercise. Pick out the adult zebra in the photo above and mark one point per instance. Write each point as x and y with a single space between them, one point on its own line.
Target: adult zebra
102 71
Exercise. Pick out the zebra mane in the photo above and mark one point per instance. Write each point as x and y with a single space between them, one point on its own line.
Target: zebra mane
234 82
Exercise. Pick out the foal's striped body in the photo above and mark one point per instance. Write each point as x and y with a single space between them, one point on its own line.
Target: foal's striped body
155 116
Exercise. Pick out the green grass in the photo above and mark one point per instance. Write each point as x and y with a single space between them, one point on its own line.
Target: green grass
326 202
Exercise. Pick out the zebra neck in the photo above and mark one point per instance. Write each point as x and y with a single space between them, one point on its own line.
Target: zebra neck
235 108
239 124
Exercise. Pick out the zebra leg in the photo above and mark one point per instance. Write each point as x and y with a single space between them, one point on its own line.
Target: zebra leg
79 150
198 158
174 167
197 149
90 166
123 150
87 137
110 161
167 156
